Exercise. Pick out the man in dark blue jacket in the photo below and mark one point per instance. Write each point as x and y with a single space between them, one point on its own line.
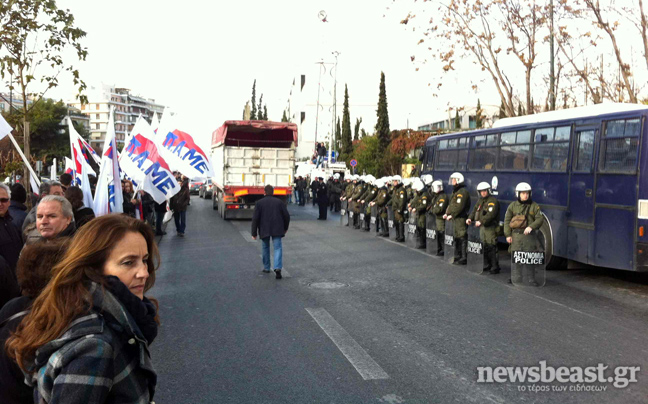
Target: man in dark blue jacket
271 219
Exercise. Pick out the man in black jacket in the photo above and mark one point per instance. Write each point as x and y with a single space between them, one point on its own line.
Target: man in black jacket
10 245
322 198
271 219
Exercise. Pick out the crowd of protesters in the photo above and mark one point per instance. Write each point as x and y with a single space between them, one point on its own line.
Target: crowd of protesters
72 286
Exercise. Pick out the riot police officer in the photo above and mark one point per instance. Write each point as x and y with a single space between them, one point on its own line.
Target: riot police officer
457 211
438 207
382 201
366 199
527 219
399 206
485 215
419 208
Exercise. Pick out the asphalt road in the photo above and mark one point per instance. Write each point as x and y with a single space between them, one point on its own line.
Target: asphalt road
360 319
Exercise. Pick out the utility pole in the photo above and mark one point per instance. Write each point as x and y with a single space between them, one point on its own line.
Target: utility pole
319 86
334 126
552 77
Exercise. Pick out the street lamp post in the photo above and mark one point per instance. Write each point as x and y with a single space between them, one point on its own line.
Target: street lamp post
334 126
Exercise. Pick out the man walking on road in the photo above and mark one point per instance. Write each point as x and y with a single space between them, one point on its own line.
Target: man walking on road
270 220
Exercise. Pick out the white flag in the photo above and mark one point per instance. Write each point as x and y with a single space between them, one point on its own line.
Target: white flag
79 166
141 161
5 129
108 195
180 150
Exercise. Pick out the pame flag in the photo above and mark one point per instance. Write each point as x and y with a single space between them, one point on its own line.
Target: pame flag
108 195
179 148
69 166
141 161
80 167
90 150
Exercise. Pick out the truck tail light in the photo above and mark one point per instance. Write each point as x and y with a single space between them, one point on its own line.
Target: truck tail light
229 198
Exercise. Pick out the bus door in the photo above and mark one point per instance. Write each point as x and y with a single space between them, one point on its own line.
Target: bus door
580 210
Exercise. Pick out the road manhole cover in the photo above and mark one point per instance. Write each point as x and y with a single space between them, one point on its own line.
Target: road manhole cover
327 285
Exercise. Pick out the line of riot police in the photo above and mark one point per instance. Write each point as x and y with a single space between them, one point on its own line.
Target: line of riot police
418 210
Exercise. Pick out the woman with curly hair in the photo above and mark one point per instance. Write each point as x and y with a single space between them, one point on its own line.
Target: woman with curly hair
87 336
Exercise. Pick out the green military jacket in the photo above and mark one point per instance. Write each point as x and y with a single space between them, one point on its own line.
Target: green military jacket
534 216
459 204
486 211
421 203
358 191
399 199
534 219
348 190
438 207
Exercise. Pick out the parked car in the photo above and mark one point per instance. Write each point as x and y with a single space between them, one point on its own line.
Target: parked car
194 185
206 189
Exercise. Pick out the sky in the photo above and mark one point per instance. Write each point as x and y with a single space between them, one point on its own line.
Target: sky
201 58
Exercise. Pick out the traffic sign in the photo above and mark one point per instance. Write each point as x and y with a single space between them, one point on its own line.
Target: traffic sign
353 163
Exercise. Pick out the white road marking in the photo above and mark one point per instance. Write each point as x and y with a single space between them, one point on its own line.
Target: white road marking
355 354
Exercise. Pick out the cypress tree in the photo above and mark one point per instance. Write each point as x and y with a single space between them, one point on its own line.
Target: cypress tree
478 115
347 145
284 118
253 114
457 121
356 129
338 135
519 113
260 109
265 112
382 125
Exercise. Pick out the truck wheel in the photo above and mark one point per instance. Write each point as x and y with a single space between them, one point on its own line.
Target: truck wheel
214 202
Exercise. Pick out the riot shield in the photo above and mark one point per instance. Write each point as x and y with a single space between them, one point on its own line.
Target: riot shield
374 218
351 212
410 231
362 215
431 234
390 223
528 259
475 251
344 214
448 242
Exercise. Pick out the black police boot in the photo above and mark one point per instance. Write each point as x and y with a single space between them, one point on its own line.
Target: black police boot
494 259
401 232
460 251
440 240
384 230
420 239
367 223
356 221
487 258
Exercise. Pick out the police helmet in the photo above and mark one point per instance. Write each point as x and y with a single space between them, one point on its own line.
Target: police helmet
418 185
336 176
427 179
484 186
397 178
379 183
437 186
407 181
522 187
458 176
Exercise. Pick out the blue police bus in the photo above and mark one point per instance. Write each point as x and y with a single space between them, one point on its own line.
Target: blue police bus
585 168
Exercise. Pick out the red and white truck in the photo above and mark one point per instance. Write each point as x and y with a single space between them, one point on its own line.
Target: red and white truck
247 156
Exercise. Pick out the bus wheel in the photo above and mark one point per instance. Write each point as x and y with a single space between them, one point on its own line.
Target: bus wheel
553 262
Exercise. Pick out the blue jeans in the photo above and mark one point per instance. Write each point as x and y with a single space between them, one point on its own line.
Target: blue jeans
278 257
180 221
320 160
